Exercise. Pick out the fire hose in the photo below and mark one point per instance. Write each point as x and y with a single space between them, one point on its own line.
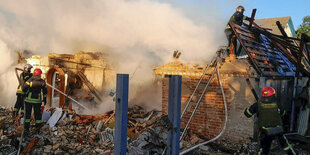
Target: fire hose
226 118
67 96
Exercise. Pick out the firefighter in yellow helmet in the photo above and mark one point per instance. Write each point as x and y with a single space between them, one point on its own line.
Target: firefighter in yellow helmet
36 91
269 122
24 76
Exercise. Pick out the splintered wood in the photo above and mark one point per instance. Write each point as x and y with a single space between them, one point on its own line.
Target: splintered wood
90 118
31 145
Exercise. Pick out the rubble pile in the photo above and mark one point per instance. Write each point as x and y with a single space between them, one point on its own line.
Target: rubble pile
66 132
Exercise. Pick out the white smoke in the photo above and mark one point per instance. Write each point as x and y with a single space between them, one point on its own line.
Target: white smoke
8 82
138 35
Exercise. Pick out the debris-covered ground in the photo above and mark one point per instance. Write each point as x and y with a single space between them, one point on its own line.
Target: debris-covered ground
69 133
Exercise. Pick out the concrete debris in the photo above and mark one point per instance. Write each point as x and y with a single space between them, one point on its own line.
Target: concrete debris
107 135
55 117
46 115
93 134
153 140
7 150
69 133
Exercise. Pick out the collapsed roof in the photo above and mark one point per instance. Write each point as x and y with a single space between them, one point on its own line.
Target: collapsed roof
273 55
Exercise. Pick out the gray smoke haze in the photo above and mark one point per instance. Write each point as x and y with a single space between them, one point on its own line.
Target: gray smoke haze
137 34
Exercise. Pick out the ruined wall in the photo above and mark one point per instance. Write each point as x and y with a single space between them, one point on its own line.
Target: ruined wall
210 116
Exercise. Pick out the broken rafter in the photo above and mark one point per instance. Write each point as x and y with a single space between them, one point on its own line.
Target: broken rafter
281 29
89 85
79 63
233 26
252 18
274 47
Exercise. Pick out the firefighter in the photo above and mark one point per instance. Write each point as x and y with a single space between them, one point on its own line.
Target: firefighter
24 76
269 122
34 89
236 18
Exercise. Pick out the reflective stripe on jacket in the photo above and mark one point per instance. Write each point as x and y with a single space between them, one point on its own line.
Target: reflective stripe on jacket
34 87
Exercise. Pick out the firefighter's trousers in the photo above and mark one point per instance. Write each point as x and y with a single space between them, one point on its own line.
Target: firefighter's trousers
37 114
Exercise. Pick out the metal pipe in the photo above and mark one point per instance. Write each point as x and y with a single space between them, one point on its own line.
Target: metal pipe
121 114
190 99
226 118
174 110
67 96
197 104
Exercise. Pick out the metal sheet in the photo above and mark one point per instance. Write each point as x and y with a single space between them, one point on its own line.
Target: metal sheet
303 120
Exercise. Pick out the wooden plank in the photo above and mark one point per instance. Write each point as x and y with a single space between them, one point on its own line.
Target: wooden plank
256 52
260 58
252 18
248 44
263 65
245 33
267 73
248 35
243 44
241 28
248 39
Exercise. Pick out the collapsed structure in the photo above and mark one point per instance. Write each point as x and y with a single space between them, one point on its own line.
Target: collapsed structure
267 60
271 59
82 75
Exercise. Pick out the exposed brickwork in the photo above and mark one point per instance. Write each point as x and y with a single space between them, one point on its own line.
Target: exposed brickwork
210 116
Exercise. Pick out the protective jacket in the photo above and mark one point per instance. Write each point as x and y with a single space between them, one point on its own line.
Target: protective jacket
24 76
237 18
268 114
33 88
269 124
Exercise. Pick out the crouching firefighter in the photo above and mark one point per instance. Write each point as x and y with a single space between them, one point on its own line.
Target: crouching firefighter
269 122
34 89
24 76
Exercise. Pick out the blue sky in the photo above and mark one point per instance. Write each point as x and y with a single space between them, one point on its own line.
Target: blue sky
297 9
196 9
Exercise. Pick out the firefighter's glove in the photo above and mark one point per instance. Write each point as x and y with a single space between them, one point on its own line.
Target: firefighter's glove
247 113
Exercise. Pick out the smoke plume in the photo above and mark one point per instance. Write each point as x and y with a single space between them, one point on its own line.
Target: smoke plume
137 34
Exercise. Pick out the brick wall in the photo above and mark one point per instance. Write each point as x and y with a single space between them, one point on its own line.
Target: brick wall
210 116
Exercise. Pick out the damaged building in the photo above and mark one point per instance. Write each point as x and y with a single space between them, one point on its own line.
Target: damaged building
212 99
268 55
82 75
